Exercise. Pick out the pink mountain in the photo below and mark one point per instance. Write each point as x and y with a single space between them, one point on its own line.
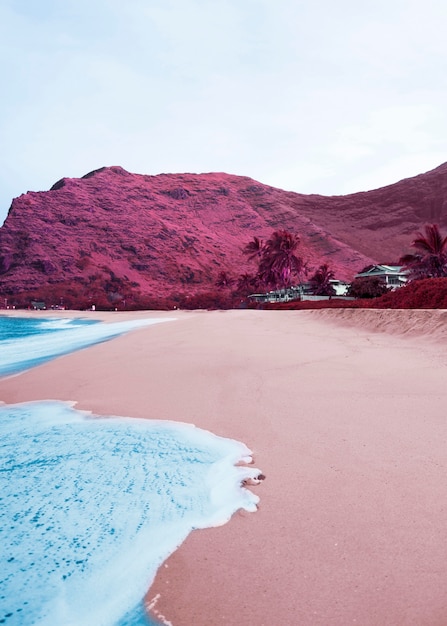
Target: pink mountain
175 232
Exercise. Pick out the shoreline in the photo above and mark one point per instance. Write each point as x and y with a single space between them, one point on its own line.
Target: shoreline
348 425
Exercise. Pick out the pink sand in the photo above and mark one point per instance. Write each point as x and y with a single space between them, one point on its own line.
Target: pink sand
348 424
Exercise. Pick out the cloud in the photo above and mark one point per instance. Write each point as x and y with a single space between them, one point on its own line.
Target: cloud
394 170
405 128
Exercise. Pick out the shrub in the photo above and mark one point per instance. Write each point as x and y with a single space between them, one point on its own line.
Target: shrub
428 293
207 300
367 287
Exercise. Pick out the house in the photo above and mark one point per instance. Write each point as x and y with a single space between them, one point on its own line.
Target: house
280 295
38 306
304 291
393 276
340 286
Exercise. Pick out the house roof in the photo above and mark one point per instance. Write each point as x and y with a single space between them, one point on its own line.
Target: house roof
383 270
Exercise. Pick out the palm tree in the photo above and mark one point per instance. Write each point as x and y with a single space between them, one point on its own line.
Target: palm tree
224 280
253 249
430 260
279 262
246 283
320 281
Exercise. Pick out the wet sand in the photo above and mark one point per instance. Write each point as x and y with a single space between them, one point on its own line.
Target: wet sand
348 424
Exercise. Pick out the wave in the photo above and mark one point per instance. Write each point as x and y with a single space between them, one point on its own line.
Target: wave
21 353
56 324
92 506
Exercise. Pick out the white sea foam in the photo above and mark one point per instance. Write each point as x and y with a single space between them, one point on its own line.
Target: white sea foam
90 508
55 323
21 353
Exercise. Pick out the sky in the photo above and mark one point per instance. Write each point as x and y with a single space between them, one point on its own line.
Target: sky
313 96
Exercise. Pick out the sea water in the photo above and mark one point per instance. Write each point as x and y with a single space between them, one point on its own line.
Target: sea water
26 342
91 506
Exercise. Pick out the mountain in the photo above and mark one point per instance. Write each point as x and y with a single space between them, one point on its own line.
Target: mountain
115 231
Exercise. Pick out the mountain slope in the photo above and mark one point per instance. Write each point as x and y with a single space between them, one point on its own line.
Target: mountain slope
175 232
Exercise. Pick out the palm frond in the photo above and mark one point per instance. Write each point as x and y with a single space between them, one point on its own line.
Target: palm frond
430 261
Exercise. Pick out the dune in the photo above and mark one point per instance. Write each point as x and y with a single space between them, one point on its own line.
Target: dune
431 324
345 414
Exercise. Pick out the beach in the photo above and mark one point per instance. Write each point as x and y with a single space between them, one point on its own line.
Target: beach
345 413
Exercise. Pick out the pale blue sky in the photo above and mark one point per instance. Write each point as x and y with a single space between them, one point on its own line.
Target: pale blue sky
314 96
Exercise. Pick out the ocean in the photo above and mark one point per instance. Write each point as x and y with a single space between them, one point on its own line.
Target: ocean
26 342
91 506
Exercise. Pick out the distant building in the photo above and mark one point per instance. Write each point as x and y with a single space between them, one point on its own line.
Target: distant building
340 286
300 292
280 295
393 276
